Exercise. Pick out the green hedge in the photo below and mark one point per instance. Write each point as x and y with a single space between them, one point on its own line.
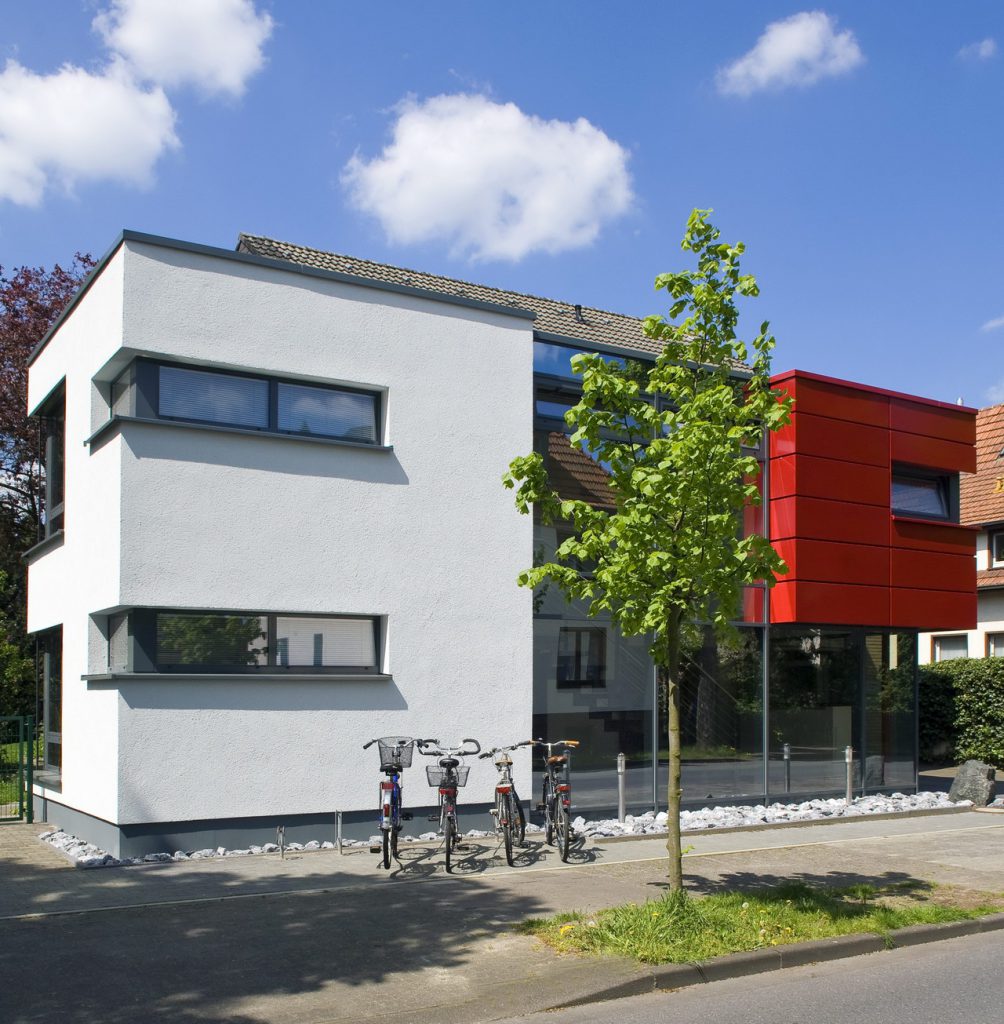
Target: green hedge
962 704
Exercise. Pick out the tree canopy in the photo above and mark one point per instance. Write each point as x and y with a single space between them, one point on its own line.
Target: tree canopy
679 442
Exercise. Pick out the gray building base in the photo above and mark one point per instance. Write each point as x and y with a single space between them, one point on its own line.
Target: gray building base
234 833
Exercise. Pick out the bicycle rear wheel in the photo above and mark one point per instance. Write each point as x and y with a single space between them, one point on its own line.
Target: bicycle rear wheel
449 831
387 832
508 823
562 828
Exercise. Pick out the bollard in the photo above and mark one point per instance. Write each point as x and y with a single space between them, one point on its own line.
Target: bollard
621 787
338 833
849 758
787 767
280 839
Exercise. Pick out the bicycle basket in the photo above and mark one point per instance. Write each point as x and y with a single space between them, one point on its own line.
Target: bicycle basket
396 750
437 776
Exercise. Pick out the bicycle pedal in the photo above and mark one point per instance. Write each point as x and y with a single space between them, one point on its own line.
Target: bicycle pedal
433 817
407 816
375 849
540 807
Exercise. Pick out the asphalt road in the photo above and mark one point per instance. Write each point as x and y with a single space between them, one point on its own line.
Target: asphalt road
954 980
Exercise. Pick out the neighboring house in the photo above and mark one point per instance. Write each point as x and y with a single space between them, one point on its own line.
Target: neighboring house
982 501
277 529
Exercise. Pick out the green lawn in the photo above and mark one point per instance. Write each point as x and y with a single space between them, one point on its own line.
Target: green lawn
679 928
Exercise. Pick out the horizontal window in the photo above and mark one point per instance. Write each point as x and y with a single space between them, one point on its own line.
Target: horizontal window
150 640
247 401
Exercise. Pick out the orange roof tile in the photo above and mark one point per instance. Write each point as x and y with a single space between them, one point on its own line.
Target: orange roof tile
982 493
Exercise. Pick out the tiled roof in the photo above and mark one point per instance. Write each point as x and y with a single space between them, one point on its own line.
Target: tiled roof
989 578
982 493
594 326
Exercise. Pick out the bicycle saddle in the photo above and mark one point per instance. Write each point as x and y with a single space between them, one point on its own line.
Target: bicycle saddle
557 759
448 762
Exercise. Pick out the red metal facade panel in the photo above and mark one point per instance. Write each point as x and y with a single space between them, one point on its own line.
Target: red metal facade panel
933 453
931 609
810 476
850 561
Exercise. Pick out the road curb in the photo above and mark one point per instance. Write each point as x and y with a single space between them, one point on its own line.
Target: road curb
667 977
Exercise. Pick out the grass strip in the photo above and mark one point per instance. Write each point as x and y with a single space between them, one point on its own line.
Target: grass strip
681 928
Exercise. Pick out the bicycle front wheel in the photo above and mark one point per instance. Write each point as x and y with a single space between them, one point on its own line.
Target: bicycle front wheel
548 802
562 828
519 820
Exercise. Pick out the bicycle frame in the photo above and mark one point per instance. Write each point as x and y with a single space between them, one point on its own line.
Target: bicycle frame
448 784
395 754
556 795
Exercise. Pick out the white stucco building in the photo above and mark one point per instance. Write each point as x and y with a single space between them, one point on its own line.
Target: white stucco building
295 456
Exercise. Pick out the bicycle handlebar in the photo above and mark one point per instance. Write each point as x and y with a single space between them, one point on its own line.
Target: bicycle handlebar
501 750
441 751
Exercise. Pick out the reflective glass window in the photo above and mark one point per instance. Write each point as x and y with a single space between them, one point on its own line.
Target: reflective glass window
213 397
348 415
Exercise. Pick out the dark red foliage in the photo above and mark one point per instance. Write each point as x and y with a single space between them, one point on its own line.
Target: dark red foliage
31 299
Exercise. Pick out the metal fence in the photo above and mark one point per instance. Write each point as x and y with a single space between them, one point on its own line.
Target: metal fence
16 767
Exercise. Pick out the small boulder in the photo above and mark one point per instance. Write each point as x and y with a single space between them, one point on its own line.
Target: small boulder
975 782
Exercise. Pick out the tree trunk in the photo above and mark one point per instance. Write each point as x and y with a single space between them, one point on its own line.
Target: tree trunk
671 680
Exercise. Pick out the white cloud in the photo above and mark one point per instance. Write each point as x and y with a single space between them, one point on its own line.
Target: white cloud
983 50
74 126
215 45
798 51
995 394
992 325
492 181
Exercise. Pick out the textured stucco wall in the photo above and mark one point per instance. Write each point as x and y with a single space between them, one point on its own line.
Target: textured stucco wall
424 536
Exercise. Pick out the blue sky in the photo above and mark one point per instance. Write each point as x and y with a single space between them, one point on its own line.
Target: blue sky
553 148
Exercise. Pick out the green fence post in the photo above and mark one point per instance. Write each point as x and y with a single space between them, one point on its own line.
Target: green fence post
30 809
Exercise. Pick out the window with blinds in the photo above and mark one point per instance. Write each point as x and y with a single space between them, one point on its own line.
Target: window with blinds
213 397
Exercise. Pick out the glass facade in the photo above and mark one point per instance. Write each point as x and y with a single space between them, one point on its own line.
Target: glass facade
766 714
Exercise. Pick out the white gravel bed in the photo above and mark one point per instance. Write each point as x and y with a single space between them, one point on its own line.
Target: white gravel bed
86 855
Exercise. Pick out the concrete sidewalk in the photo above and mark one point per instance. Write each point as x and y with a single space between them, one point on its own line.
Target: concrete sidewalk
319 937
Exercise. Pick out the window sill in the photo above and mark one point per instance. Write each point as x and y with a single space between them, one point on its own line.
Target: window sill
235 677
898 518
115 422
43 546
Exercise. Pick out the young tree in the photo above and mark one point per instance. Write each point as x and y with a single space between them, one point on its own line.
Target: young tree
678 442
30 301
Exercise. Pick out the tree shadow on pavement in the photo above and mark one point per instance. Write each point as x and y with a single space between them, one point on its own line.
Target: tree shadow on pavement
344 945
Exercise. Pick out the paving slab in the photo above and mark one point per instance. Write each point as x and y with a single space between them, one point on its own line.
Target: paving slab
320 937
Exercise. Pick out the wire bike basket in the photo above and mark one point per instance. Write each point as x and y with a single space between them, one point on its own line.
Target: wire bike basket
395 751
437 776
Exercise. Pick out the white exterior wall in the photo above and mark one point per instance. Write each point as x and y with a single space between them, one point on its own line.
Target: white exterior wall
424 536
67 584
989 614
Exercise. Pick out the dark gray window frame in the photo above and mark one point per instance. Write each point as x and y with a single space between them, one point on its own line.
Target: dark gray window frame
141 645
142 376
51 417
949 483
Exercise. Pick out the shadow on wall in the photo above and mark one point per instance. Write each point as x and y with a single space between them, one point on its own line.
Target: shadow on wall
267 453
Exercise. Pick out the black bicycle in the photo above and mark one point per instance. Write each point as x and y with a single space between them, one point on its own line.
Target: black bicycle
556 797
448 777
395 756
510 820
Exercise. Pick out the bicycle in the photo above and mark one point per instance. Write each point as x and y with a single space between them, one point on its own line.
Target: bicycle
395 755
448 777
556 798
508 812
